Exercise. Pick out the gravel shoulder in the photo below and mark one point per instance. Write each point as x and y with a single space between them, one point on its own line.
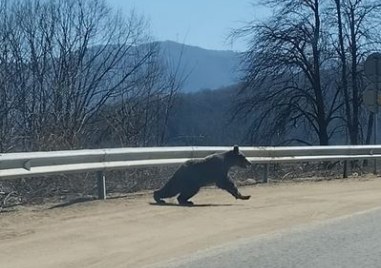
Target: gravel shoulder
131 232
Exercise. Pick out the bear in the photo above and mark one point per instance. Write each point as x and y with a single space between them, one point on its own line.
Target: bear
196 173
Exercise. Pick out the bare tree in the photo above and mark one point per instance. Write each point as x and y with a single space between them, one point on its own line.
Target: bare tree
283 86
356 35
7 76
304 69
72 57
140 117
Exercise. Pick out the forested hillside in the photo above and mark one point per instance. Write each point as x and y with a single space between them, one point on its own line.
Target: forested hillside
77 74
206 118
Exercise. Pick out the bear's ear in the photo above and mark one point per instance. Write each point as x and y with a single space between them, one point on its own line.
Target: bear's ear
235 149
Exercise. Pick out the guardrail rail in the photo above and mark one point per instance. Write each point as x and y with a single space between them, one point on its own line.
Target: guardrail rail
31 164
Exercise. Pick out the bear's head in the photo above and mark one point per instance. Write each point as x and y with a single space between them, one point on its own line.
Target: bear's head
237 158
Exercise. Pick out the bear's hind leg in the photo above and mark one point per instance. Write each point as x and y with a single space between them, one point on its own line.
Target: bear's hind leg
157 196
186 194
168 190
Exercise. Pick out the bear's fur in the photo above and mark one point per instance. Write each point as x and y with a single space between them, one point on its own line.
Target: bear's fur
194 174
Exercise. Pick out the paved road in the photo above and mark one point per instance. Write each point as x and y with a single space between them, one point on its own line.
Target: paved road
353 241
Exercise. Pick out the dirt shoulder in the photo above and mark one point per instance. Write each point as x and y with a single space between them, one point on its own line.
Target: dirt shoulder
130 232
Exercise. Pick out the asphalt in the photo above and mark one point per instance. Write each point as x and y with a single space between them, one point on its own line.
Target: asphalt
351 241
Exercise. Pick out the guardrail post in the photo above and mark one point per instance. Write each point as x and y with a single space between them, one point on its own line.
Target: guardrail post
345 172
375 134
265 173
375 167
101 185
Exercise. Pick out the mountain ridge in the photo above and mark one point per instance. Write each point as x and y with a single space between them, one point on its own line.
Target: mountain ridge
203 68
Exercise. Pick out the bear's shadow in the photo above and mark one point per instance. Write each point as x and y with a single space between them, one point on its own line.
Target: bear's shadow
190 206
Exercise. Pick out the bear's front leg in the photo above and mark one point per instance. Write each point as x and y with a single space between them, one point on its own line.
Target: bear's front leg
228 185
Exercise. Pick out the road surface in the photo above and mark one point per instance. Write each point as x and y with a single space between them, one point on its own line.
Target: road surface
130 232
348 242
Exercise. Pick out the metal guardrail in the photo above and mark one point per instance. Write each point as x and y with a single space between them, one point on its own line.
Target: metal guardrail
16 165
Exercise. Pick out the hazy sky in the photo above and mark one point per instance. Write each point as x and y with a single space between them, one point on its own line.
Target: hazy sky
204 23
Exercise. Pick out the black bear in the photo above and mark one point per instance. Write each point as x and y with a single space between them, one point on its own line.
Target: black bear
194 174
